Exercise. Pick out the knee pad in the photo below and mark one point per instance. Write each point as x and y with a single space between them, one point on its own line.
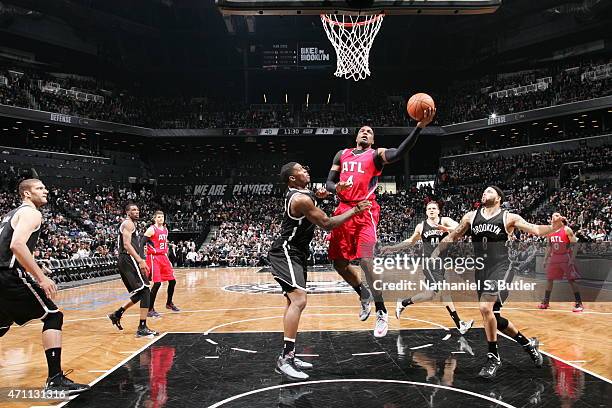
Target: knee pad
145 298
502 322
53 321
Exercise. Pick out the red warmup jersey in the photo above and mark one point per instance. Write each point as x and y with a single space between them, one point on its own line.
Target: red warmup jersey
158 244
559 242
362 172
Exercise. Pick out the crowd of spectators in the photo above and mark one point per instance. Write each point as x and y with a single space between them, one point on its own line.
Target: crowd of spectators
491 140
587 206
462 101
470 100
80 222
491 167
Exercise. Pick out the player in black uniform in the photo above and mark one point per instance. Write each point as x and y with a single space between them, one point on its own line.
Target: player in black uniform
134 272
491 230
430 232
25 292
289 252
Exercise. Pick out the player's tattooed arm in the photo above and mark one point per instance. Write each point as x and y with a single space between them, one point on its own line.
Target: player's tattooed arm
516 221
461 229
447 224
303 206
334 174
454 235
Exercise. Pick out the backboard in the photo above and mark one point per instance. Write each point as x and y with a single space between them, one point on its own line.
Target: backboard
357 7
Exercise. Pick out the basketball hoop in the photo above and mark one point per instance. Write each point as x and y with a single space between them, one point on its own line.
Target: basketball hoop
352 37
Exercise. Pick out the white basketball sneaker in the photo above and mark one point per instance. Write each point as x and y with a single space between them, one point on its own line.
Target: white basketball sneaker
382 324
465 326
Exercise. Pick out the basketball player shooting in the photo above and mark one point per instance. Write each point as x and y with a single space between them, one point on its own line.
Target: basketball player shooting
491 229
354 177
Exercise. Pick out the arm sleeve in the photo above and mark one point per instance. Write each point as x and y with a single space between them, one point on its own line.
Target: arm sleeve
334 175
393 155
143 243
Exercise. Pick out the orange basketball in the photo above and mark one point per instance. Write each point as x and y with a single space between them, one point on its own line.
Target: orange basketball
417 105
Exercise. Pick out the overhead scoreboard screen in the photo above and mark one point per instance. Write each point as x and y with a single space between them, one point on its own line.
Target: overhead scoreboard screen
293 55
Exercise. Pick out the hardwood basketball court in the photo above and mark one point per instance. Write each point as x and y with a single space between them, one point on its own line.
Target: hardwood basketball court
95 349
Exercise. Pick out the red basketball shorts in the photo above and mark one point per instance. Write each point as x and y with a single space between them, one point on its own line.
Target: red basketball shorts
160 268
355 238
558 270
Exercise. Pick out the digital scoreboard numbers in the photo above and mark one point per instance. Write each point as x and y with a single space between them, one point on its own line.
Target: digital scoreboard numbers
279 56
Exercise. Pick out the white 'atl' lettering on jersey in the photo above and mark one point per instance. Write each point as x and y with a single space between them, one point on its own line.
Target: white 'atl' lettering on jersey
486 228
350 166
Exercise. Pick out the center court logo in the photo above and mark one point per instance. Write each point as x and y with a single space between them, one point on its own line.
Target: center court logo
313 288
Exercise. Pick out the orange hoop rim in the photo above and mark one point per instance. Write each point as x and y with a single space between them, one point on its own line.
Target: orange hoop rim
351 25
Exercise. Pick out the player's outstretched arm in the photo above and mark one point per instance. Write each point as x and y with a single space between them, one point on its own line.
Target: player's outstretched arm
303 205
416 235
461 229
454 235
394 154
447 224
516 221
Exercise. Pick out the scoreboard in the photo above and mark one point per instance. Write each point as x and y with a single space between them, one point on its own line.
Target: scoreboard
279 55
292 55
290 131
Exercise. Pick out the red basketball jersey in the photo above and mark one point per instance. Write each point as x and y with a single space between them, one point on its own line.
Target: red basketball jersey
362 172
158 244
559 242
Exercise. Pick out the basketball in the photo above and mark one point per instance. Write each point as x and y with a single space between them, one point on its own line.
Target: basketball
417 105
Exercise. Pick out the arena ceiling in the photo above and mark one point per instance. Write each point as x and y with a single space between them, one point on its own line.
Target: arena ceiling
189 37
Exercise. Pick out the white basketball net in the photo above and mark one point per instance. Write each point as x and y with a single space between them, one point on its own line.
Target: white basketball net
352 37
